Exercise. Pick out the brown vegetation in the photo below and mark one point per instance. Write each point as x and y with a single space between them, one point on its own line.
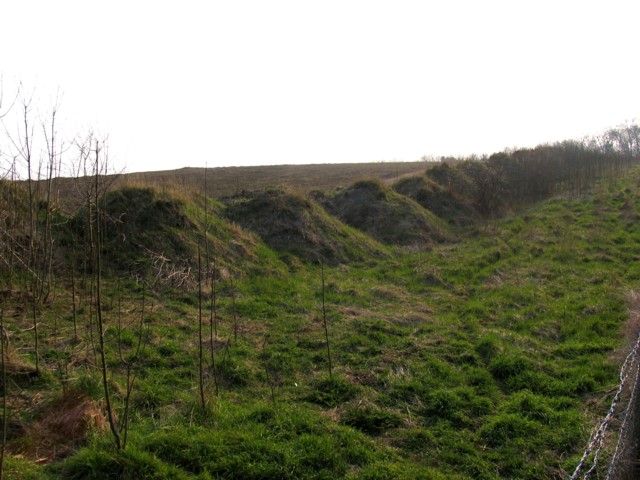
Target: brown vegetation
59 428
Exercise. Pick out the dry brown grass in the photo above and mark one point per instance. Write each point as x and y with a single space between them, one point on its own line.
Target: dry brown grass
17 367
60 427
388 293
412 319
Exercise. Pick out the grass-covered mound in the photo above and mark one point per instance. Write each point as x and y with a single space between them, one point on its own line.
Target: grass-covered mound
475 183
290 223
437 199
386 215
144 227
139 220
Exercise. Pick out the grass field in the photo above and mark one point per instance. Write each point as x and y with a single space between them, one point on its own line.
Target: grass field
486 358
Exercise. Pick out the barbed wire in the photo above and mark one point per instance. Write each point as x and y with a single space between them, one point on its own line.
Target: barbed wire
596 441
625 425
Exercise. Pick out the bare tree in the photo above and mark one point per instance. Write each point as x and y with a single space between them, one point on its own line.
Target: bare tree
95 234
26 153
200 353
74 313
213 325
49 135
211 271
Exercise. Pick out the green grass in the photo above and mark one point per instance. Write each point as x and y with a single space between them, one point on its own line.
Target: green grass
488 358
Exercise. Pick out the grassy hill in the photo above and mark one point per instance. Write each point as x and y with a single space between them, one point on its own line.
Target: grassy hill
487 358
437 199
386 215
290 223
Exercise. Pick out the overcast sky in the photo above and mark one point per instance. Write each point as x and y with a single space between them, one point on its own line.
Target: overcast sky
267 82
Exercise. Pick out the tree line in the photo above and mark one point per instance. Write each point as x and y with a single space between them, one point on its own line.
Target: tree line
522 176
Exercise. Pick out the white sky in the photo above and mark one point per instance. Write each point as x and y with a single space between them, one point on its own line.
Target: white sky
262 82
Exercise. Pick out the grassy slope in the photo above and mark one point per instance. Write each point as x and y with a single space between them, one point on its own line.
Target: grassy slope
142 224
293 224
484 359
437 199
386 215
